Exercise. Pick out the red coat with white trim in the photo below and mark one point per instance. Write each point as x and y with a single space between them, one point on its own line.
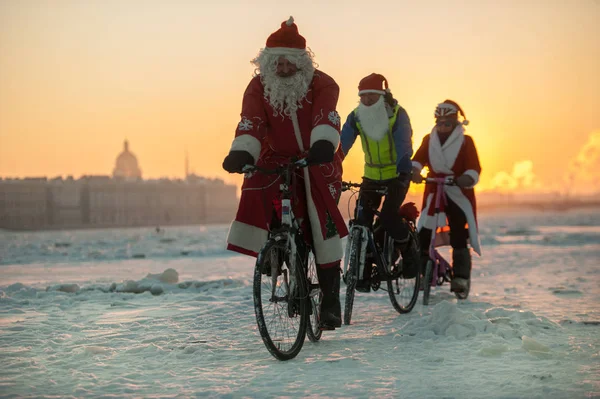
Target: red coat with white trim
457 156
273 140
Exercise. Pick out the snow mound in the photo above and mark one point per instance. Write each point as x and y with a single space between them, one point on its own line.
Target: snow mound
169 276
155 284
448 320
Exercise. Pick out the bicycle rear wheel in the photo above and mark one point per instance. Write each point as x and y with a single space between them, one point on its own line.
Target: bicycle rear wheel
280 300
427 281
314 292
404 292
352 273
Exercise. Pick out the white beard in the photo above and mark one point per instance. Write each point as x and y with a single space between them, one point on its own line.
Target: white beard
374 119
285 95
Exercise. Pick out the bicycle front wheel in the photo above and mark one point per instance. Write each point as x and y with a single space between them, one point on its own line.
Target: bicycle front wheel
280 300
352 273
404 290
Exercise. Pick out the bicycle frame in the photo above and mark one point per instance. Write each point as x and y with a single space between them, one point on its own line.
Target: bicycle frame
434 255
290 292
383 255
289 226
383 264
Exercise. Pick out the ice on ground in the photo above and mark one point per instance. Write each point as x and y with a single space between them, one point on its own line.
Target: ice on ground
82 326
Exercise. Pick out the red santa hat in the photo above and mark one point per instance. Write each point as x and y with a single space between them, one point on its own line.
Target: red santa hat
286 40
448 108
374 83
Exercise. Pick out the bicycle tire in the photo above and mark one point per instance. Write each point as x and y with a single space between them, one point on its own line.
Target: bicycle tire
427 282
394 291
292 314
464 294
313 332
352 274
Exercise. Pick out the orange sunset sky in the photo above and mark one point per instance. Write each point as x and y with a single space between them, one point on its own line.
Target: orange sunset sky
77 77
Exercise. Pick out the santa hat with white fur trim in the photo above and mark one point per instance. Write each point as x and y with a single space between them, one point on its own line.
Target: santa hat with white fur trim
448 108
286 40
374 83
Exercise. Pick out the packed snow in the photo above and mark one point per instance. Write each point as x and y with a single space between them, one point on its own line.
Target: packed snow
134 313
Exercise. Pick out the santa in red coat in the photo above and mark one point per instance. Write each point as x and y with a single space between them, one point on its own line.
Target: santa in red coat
454 155
289 110
448 151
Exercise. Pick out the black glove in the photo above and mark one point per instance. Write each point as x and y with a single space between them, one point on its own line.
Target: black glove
321 151
236 160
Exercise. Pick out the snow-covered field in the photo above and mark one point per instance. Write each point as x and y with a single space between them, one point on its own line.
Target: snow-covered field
99 313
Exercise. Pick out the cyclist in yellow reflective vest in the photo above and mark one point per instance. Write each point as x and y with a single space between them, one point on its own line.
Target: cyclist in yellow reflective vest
386 135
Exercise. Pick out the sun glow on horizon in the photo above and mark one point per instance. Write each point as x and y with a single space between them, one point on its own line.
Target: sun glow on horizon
78 78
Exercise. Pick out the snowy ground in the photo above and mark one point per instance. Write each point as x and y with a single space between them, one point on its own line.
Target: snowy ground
71 324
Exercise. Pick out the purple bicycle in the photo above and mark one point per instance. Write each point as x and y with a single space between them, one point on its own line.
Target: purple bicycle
438 270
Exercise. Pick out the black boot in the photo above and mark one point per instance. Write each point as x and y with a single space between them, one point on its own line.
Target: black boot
410 261
461 264
331 311
423 261
363 284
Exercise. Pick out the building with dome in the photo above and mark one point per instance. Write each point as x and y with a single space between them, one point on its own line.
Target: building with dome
126 165
121 200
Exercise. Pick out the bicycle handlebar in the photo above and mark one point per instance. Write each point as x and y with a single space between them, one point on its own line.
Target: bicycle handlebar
448 180
348 185
297 164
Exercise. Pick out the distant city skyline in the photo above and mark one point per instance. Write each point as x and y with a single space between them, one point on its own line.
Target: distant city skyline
114 201
125 166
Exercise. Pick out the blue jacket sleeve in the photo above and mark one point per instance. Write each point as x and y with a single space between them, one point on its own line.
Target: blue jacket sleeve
402 133
349 133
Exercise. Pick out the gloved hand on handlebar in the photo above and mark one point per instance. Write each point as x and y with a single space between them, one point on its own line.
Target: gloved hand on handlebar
236 160
464 181
321 151
416 176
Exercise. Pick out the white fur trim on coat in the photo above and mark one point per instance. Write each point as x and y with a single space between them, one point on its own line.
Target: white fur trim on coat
326 250
457 196
247 142
284 51
442 157
325 132
429 222
246 236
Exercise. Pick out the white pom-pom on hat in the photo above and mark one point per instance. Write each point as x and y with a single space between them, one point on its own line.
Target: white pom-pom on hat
290 21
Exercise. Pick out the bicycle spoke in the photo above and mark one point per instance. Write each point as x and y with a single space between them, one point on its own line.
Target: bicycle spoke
404 292
281 316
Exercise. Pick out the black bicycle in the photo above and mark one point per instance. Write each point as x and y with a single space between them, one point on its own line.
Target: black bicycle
363 251
286 288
